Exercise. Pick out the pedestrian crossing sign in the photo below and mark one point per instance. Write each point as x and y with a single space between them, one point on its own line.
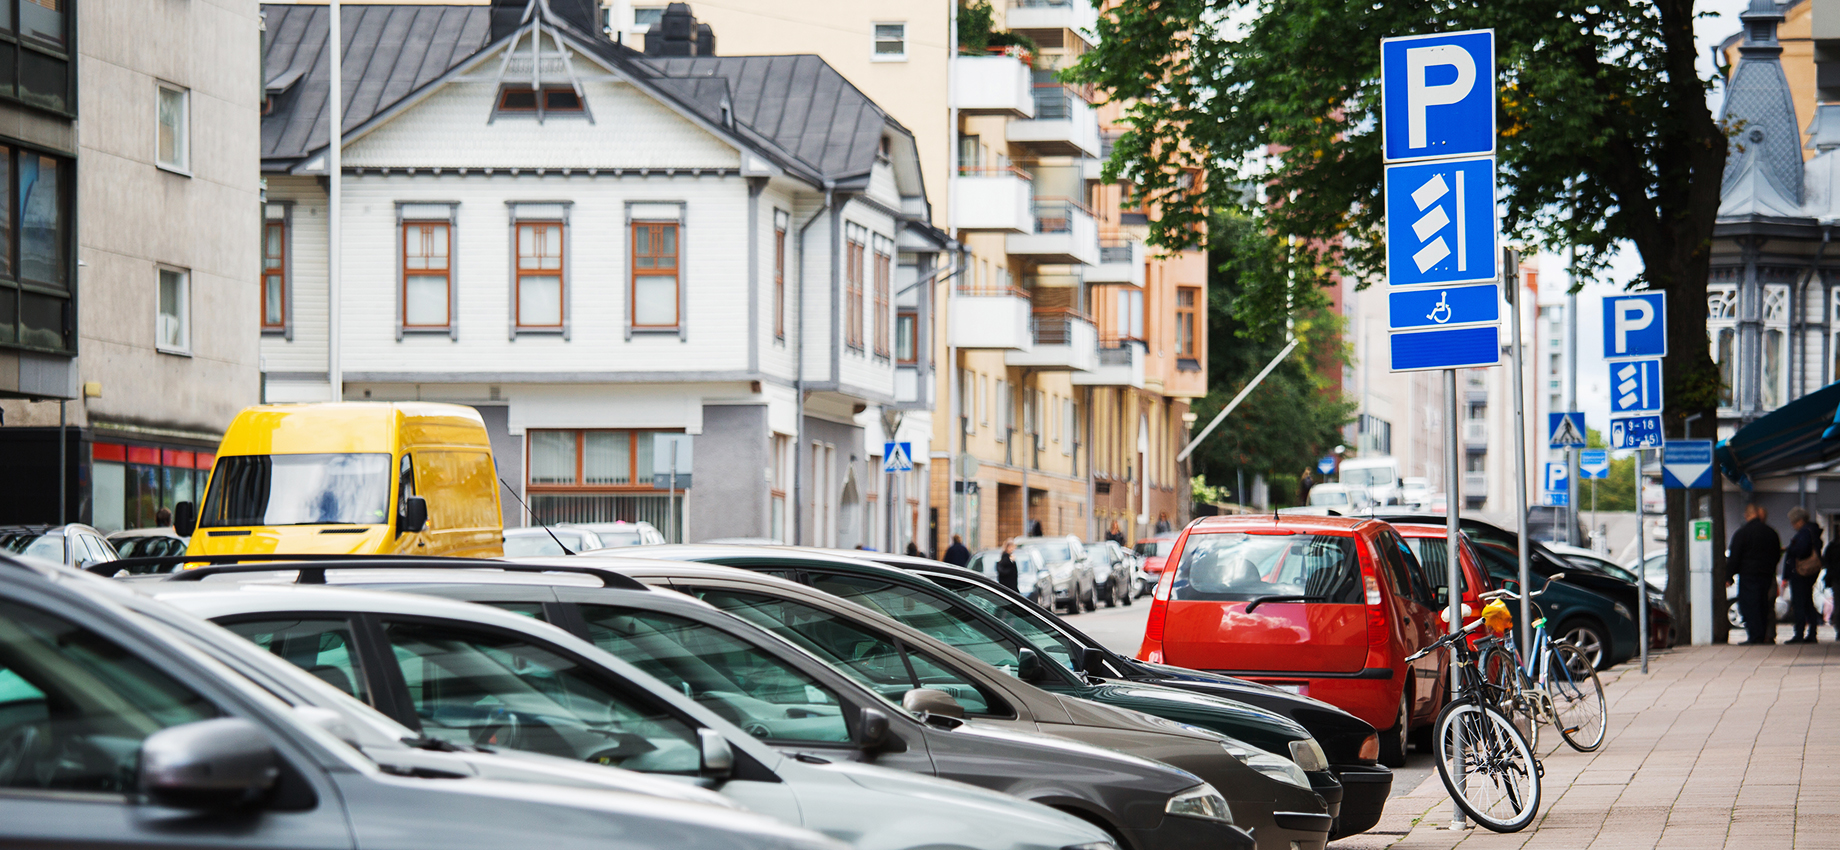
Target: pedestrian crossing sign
897 457
1565 430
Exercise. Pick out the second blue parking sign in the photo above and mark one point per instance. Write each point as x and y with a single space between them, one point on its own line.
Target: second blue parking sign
1440 222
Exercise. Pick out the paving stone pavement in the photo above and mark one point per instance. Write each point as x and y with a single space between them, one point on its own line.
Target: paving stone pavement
1718 746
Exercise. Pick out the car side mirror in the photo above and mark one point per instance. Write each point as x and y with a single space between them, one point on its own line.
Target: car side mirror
874 732
185 518
932 701
414 515
1443 596
1028 665
718 757
210 764
1092 660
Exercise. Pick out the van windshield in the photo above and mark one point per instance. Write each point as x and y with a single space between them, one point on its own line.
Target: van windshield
1372 476
315 489
1240 567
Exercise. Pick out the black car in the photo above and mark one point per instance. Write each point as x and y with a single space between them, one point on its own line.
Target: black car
1351 743
1546 524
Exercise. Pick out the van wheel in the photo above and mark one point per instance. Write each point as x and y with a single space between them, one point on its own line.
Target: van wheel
1393 741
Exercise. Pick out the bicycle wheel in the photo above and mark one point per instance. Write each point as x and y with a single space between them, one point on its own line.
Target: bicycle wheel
1510 693
1577 698
1487 766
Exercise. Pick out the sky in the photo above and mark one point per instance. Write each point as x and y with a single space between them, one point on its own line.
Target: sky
1720 21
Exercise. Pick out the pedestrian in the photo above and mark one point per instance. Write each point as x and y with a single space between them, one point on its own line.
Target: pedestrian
1035 528
1830 560
1304 482
1801 565
1006 566
956 554
1755 548
1116 535
162 517
1162 523
913 550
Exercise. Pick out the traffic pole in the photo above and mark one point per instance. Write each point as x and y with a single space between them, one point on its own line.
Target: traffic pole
1511 264
1453 568
1641 569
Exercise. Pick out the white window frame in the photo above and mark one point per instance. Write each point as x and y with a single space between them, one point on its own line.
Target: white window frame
184 312
1775 315
1722 315
876 40
183 133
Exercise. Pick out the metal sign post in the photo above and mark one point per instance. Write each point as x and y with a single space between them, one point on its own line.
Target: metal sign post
1635 343
1641 566
1511 282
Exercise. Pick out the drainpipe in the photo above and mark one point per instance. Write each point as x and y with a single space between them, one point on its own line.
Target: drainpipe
798 381
953 376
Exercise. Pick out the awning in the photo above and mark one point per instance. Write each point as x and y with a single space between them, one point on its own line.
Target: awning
1801 436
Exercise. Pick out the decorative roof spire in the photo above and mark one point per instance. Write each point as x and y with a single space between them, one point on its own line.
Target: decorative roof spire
1760 22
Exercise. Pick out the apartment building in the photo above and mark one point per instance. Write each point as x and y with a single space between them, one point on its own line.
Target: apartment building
608 252
128 143
1067 354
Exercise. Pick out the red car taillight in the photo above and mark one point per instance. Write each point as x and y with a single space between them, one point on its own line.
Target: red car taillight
1152 650
1376 604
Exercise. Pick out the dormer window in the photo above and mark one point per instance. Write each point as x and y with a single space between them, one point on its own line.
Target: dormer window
524 99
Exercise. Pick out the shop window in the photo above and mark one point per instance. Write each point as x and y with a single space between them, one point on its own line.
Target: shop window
130 485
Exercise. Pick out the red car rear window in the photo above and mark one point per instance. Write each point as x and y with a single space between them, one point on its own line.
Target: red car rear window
1240 567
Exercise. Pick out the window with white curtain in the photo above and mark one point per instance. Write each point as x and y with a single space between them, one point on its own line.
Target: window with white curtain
1775 389
1722 338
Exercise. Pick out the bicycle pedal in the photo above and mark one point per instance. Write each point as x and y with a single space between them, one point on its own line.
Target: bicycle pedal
1569 730
1539 768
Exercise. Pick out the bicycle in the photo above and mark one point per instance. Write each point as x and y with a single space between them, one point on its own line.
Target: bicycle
1566 694
1485 762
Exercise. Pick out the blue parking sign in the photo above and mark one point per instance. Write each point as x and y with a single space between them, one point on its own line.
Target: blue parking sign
1438 95
1440 222
1636 432
1635 325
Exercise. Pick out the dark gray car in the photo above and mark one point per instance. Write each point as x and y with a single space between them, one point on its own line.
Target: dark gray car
114 733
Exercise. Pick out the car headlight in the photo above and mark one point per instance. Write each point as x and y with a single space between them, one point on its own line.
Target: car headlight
1201 801
1622 610
1274 766
1309 755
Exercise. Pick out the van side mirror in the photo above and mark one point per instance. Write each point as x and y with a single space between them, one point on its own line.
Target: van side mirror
210 764
1443 596
1092 660
874 733
185 518
414 515
1028 665
932 701
718 758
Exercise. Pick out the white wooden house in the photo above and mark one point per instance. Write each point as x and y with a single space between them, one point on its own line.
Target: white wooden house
596 247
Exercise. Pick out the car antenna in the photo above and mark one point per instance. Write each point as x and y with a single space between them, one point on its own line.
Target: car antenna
552 534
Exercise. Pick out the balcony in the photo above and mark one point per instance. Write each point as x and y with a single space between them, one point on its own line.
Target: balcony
990 318
1060 340
1062 232
1076 15
1120 364
1475 434
992 199
1064 124
992 85
1475 485
1120 261
908 389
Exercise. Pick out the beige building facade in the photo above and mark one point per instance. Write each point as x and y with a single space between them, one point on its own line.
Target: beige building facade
127 295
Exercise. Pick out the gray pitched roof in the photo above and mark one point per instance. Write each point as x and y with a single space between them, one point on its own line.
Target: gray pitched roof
798 103
389 52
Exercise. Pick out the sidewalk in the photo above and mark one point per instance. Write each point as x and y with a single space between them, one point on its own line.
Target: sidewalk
1719 746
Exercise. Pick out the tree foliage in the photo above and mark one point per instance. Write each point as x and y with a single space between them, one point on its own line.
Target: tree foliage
1291 418
1604 131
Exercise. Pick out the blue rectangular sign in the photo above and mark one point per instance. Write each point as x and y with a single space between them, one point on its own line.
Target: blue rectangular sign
1457 348
1635 386
1443 306
1556 475
1635 325
1438 95
1687 465
1440 222
897 457
1594 463
1636 432
1565 430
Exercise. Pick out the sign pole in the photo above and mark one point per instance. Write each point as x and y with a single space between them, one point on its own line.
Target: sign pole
1511 261
1453 480
1641 568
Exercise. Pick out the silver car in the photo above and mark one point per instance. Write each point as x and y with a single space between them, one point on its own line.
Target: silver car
118 734
472 674
1064 557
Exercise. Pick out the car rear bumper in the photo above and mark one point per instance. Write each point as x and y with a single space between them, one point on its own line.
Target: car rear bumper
1365 789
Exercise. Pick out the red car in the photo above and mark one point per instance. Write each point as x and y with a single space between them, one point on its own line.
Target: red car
1327 607
1428 543
1155 552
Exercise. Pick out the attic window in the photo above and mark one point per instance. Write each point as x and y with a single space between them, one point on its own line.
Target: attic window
523 99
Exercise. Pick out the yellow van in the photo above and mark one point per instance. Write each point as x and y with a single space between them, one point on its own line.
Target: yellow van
409 478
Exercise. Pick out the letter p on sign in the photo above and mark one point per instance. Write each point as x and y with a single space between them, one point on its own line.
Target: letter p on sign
1421 94
1635 326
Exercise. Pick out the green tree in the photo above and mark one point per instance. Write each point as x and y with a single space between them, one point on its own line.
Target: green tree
1617 492
1293 416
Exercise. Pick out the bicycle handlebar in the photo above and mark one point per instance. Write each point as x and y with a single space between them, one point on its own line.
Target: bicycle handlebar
1445 640
1505 593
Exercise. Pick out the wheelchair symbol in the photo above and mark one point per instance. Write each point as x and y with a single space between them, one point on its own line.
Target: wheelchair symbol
1441 313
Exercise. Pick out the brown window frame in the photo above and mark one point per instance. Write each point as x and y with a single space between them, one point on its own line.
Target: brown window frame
1187 335
779 282
446 274
853 294
883 295
581 445
279 271
675 271
560 273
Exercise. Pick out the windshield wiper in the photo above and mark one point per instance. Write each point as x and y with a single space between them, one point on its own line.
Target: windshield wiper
1283 598
423 742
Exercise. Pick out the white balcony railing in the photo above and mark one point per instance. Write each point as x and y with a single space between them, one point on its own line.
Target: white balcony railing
1059 340
1475 432
1475 484
992 85
1064 124
1120 261
994 318
1061 231
1119 364
992 199
1078 16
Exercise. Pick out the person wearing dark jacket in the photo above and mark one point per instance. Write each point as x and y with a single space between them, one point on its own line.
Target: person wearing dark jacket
1830 562
1805 544
1006 566
956 554
1754 551
1116 535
